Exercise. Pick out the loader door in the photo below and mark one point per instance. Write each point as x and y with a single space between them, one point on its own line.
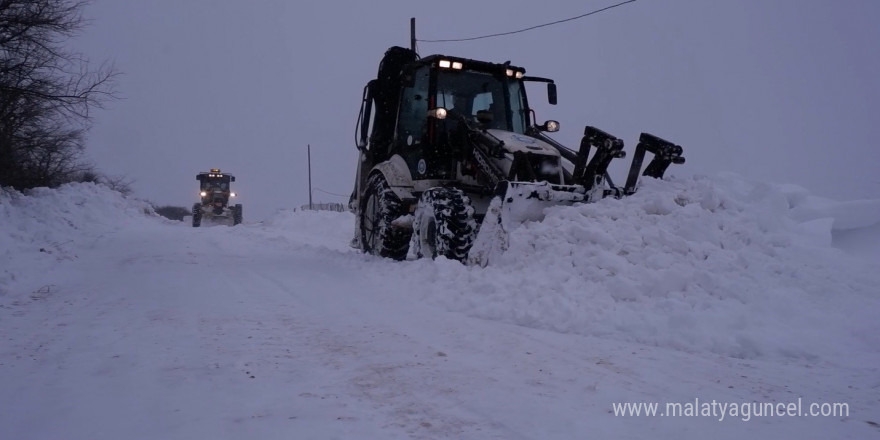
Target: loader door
411 137
413 117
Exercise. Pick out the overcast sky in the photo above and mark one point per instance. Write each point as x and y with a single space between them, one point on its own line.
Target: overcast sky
778 90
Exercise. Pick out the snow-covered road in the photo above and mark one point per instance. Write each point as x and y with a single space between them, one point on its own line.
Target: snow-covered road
127 326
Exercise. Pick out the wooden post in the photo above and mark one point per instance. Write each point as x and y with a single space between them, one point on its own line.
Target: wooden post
309 150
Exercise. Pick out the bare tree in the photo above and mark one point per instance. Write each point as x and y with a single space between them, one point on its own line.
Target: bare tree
46 93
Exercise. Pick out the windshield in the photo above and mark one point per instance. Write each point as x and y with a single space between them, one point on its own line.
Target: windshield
215 183
468 93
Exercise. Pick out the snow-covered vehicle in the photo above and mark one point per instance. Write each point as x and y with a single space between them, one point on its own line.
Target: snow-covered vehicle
215 193
451 156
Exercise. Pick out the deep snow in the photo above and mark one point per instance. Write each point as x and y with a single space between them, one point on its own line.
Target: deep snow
117 323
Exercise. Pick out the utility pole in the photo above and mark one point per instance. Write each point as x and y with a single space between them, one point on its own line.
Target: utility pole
412 34
309 150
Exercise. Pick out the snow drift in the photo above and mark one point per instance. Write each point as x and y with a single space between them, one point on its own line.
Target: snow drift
721 264
44 226
716 288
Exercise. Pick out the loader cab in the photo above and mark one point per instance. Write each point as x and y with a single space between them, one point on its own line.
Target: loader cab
214 186
441 98
410 111
487 99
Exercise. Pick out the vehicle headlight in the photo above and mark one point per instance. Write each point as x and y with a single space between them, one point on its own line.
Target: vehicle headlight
203 194
551 126
232 194
439 113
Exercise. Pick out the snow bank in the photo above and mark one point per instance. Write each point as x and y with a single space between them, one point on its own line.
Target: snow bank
325 229
44 226
723 265
798 204
720 264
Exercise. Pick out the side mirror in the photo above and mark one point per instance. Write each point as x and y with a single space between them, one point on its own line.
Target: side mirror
199 178
485 116
233 178
551 93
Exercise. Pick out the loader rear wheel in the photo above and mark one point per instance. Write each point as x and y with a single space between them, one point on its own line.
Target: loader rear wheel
197 215
443 225
380 208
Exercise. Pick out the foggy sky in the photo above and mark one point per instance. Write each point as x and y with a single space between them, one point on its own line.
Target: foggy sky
777 90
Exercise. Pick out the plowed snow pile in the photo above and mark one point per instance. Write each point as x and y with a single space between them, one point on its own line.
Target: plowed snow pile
116 323
45 226
720 265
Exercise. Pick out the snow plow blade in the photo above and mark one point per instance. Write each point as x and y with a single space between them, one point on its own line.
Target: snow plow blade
526 201
514 204
518 202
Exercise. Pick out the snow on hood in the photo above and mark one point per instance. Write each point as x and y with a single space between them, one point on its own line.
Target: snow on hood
515 142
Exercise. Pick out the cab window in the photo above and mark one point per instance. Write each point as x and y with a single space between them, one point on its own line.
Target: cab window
412 119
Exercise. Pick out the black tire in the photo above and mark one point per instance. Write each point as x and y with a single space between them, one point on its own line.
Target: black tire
443 225
236 215
197 215
381 206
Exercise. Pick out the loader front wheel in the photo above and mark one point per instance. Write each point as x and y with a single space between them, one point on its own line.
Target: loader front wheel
197 215
443 225
380 208
236 215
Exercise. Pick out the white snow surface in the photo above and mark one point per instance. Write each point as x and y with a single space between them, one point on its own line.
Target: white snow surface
118 324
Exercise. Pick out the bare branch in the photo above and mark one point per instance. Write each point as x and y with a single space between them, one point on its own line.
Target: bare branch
46 92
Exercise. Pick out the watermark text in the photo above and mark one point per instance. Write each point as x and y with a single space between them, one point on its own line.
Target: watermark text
744 411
